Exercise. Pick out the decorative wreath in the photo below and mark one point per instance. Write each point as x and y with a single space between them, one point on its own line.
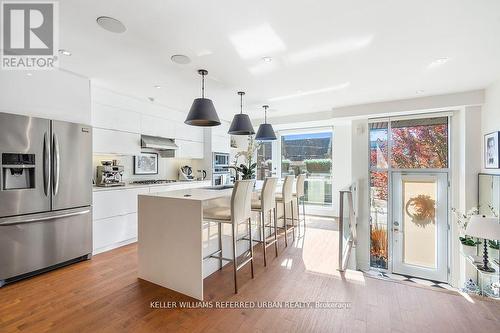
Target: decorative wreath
422 210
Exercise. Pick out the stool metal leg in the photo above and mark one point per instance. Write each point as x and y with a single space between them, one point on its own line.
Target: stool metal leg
251 243
284 224
263 238
293 222
220 244
304 212
298 216
275 231
235 264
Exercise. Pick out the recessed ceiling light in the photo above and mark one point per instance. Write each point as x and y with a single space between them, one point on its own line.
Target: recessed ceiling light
438 62
65 52
267 59
151 99
111 24
180 59
157 87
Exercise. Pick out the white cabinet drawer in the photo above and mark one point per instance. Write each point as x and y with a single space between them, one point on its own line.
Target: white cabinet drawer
114 230
115 142
116 202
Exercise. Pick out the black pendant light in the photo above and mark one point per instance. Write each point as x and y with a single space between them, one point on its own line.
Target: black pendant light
202 112
265 131
241 124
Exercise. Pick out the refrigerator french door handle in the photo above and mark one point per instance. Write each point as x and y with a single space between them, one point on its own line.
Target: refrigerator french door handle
46 164
17 220
56 159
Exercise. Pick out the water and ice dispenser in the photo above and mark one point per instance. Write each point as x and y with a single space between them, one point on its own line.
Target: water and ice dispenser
18 171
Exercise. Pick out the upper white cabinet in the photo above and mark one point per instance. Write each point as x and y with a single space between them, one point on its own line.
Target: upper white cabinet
115 142
109 117
217 139
129 117
189 149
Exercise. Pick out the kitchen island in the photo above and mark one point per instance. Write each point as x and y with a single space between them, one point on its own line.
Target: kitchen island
172 238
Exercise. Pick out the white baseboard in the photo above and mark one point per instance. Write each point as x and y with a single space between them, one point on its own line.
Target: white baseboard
114 246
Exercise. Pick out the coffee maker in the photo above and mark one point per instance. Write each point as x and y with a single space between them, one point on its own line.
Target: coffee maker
109 174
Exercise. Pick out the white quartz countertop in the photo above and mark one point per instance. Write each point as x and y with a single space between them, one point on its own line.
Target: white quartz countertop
198 194
130 185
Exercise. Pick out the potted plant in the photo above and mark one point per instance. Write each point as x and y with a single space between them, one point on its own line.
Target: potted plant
469 244
247 169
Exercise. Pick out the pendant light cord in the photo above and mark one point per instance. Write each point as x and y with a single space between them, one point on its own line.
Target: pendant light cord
265 113
203 85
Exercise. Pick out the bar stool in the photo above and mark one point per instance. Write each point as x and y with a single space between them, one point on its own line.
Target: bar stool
285 198
239 212
299 195
263 206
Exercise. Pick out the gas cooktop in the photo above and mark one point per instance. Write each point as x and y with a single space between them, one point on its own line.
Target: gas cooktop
153 181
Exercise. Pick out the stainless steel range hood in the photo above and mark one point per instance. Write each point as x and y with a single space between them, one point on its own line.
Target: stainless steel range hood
167 147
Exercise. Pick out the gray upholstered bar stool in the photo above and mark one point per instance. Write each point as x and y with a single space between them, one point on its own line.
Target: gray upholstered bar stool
299 197
286 198
239 212
266 205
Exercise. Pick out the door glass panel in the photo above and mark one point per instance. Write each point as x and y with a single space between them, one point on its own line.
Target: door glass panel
419 222
419 143
310 153
378 219
378 145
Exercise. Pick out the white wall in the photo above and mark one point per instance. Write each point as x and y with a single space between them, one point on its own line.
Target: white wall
491 115
54 94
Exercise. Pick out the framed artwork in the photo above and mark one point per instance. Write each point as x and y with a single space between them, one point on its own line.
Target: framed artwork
492 150
146 164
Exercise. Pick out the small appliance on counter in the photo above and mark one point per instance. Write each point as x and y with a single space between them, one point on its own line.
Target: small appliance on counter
202 175
110 174
186 173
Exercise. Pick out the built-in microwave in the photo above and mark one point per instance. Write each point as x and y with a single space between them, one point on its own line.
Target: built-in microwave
220 162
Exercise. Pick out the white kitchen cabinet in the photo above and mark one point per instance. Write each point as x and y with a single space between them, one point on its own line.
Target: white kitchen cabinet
221 144
111 117
116 202
188 133
114 231
107 141
156 126
189 149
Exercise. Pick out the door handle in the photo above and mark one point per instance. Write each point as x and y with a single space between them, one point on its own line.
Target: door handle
16 220
55 165
46 164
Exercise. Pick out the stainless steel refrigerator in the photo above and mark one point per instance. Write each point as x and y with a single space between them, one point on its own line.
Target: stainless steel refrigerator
45 195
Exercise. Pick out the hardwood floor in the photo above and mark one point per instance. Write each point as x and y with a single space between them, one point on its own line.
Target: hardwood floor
104 295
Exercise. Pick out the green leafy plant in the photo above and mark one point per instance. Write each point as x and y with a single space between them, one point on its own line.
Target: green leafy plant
495 245
323 165
285 165
247 172
468 241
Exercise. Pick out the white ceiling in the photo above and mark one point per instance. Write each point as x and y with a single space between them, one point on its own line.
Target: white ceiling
326 53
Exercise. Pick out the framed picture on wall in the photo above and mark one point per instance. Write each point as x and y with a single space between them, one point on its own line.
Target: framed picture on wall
492 151
146 164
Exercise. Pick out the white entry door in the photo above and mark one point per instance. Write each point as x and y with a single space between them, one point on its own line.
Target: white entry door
420 225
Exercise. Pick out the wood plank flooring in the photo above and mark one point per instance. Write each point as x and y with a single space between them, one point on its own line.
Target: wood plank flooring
104 295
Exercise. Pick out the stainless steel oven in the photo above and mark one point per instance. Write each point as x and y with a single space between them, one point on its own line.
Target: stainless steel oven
220 162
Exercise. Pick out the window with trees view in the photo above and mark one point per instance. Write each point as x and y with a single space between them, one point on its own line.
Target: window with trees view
395 145
310 153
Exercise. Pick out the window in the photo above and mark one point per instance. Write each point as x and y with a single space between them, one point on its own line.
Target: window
310 153
419 143
264 160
